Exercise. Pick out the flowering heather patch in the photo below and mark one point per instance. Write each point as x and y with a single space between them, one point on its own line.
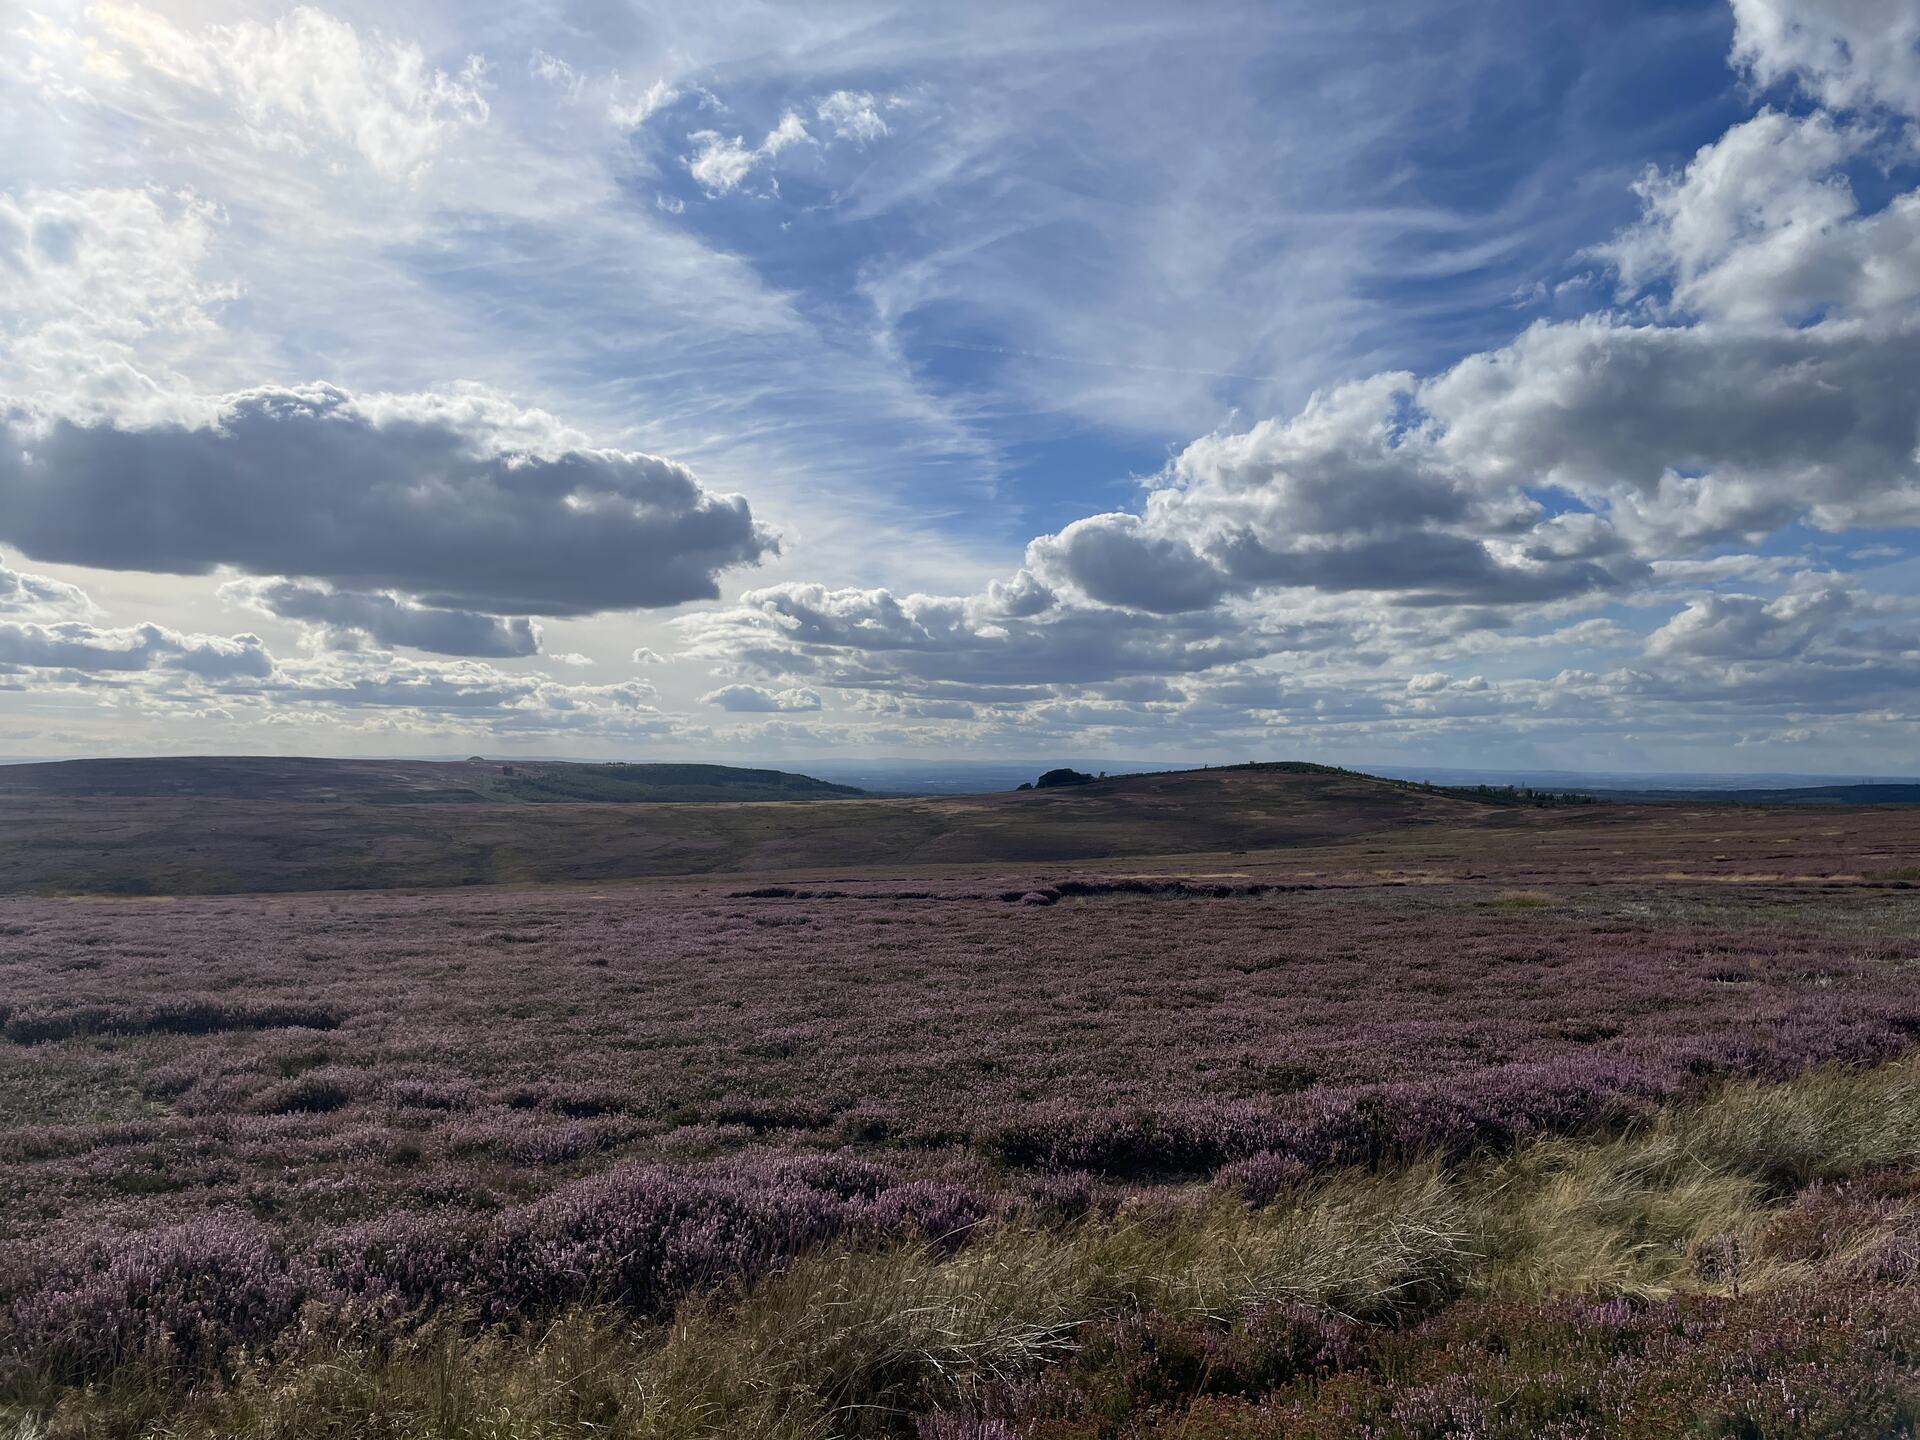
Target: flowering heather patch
221 1111
186 1295
641 1238
37 1024
250 1054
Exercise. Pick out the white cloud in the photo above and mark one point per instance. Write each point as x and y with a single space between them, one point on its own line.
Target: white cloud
1749 627
852 115
721 163
1763 226
1845 53
40 597
1690 434
555 71
101 292
757 700
631 114
76 645
789 132
309 78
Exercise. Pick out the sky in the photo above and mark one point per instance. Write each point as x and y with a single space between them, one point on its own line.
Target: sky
1496 383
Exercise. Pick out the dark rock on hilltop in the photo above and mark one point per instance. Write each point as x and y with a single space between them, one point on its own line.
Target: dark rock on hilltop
1054 779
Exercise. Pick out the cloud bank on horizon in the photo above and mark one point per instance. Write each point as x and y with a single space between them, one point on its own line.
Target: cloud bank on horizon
1496 384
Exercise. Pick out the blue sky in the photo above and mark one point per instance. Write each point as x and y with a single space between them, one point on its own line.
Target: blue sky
1467 383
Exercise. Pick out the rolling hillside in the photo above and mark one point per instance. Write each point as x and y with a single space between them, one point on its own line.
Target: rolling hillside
192 827
386 782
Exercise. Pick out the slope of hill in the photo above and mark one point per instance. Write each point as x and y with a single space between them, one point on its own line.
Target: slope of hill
384 782
1864 794
375 825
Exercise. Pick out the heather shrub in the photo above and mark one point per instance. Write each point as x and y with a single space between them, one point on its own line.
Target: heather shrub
940 1213
411 1094
585 1101
40 1025
641 1238
533 1139
314 1093
187 1297
402 1266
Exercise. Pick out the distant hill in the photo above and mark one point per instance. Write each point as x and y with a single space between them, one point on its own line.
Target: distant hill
219 826
662 784
390 782
1870 794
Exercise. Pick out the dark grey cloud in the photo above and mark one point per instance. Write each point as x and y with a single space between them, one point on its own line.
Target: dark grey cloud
942 646
1115 560
1425 568
412 497
389 619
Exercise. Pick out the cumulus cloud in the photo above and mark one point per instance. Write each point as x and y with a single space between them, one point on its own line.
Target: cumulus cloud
175 674
1698 432
951 648
387 619
1117 560
75 645
757 700
1763 225
1346 496
411 494
39 596
310 78
1845 53
1750 627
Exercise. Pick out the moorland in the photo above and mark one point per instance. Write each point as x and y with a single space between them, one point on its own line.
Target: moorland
1265 1101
